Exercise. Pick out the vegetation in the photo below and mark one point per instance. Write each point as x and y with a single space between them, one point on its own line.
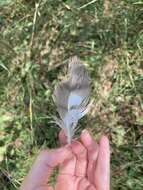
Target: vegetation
36 40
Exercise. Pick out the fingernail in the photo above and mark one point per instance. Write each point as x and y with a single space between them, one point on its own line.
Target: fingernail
87 137
85 132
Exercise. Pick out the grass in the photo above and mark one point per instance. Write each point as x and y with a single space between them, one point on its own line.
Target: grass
36 40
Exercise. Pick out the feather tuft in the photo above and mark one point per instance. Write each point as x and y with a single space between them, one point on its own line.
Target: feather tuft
71 97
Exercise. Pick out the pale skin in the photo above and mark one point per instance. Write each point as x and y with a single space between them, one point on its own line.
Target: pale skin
83 165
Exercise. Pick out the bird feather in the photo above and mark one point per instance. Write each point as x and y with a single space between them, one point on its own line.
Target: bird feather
71 97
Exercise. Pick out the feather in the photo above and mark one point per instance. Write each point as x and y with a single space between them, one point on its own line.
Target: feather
71 97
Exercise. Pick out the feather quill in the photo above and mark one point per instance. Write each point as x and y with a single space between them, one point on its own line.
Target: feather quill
71 97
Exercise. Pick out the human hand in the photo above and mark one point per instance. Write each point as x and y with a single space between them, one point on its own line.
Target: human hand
83 165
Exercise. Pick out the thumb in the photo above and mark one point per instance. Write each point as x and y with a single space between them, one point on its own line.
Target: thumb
43 166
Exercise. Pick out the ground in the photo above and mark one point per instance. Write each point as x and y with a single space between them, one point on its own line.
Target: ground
36 40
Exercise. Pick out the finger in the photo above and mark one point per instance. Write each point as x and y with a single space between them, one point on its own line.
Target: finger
43 167
62 138
102 172
68 166
81 158
92 153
